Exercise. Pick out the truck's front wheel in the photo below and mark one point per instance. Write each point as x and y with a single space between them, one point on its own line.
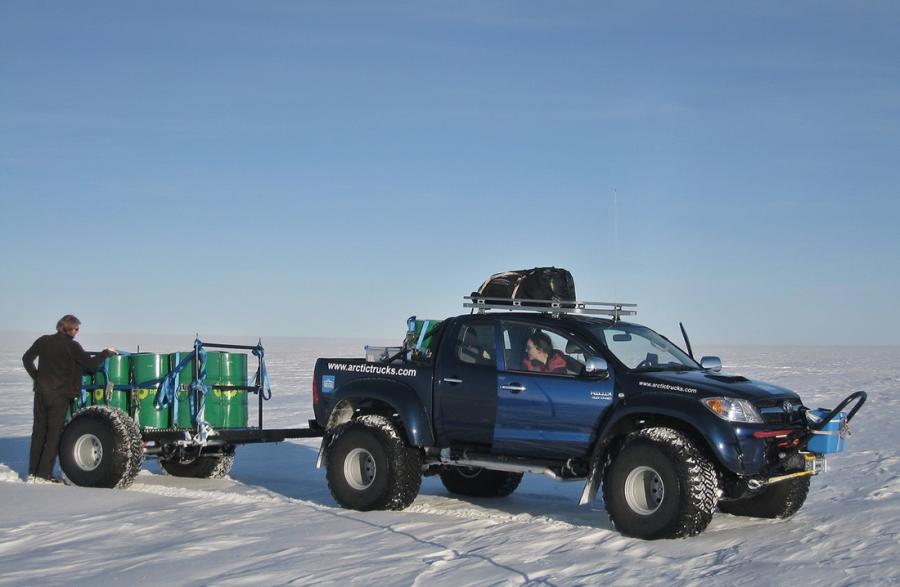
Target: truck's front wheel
370 467
780 500
660 485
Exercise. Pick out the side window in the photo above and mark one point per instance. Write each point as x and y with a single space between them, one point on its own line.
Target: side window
475 345
531 348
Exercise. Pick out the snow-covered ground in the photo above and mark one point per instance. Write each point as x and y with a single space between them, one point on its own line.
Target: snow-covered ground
273 522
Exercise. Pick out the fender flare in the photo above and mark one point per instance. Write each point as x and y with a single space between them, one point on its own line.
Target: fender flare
400 397
717 435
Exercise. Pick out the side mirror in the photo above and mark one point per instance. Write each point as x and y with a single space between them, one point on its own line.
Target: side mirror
711 363
596 367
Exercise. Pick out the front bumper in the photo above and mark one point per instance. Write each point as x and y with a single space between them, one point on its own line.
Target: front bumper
763 449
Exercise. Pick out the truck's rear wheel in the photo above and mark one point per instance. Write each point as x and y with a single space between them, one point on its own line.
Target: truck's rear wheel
780 500
101 447
660 485
200 467
478 482
370 467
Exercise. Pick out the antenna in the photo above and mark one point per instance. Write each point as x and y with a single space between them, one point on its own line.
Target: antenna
615 234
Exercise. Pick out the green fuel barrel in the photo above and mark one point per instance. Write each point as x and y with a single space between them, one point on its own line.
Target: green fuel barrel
185 377
236 400
119 372
147 367
226 408
82 401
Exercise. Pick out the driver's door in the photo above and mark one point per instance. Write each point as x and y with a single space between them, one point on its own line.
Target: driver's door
546 414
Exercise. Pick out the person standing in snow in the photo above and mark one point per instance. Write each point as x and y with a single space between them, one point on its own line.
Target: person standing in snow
57 379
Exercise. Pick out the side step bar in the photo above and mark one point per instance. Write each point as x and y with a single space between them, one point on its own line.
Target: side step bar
499 464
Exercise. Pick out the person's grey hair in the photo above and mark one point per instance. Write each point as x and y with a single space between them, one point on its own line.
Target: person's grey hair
67 323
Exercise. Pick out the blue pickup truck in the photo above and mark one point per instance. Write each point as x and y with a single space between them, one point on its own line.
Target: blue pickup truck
573 392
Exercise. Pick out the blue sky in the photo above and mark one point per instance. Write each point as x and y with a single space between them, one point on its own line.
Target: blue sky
329 168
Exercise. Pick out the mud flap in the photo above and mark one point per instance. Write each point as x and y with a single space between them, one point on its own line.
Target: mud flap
320 458
599 460
591 485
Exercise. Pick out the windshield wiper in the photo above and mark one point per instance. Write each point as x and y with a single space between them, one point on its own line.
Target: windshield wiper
667 367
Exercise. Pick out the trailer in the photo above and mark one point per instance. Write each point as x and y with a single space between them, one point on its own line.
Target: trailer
188 410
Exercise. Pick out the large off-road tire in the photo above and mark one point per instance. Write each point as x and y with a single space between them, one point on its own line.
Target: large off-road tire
369 466
101 447
478 482
660 485
779 500
200 467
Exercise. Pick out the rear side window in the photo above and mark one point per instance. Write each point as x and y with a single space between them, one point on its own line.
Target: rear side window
475 345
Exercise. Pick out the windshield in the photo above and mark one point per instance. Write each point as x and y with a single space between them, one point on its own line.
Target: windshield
641 349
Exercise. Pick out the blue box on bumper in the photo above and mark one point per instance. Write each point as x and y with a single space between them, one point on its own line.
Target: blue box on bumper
830 438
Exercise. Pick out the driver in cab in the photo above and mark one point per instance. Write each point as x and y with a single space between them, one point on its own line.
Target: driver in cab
541 357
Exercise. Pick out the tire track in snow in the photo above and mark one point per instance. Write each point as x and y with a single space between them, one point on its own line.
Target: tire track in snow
262 496
273 499
444 553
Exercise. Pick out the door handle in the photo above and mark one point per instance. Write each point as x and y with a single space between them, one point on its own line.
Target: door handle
452 380
513 387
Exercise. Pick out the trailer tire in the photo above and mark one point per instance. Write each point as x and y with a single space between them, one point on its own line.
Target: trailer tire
660 485
201 467
370 467
478 482
780 500
101 447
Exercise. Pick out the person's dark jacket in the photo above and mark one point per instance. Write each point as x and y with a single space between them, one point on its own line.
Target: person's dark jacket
62 361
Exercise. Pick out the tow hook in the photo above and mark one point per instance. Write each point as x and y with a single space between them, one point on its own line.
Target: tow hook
755 484
813 465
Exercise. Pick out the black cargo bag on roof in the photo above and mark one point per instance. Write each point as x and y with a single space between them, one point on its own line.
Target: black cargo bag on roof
540 283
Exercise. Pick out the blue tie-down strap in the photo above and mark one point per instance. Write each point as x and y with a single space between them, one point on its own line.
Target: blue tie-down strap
199 385
261 379
200 352
192 396
167 392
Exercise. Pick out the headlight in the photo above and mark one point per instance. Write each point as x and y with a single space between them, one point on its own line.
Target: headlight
733 410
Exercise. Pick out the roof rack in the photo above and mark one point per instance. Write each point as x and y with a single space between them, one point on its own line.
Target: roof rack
555 307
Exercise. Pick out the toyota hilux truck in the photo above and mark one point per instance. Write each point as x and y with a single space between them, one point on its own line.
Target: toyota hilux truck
571 391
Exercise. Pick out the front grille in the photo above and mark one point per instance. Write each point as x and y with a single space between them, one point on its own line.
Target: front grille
780 411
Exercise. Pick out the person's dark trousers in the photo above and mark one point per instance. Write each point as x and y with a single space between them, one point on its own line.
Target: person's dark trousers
49 418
